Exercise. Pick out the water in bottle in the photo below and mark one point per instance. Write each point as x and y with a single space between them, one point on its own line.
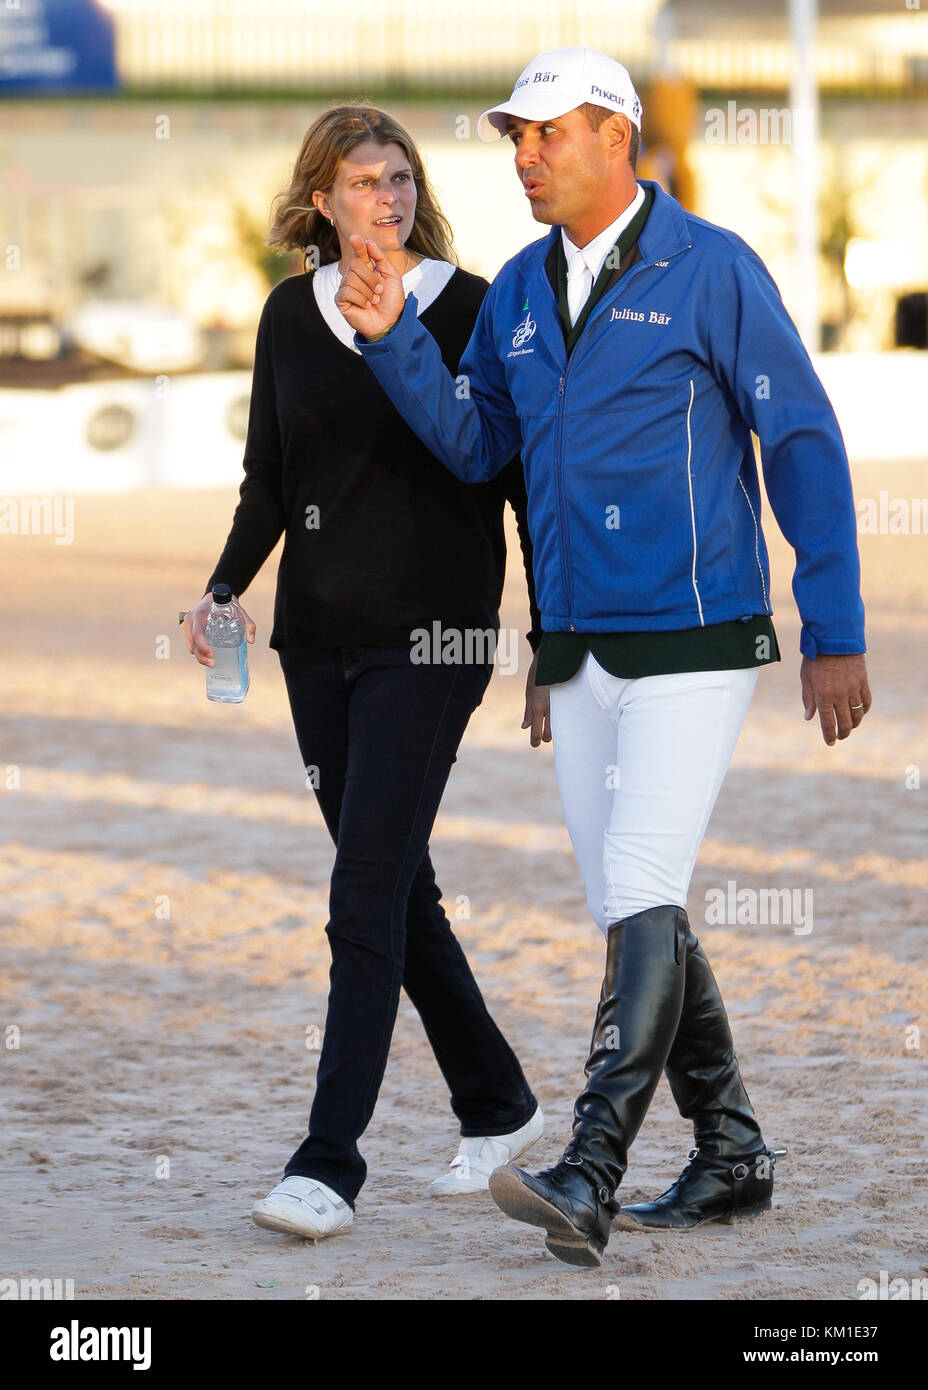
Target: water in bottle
228 680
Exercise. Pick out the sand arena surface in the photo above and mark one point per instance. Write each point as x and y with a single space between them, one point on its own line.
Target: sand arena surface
144 1038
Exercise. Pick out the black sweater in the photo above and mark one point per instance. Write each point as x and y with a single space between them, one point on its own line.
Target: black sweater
397 542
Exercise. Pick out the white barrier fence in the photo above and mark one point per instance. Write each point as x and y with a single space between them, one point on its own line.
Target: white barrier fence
125 434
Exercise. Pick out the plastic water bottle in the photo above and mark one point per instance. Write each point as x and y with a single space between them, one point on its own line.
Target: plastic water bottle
228 680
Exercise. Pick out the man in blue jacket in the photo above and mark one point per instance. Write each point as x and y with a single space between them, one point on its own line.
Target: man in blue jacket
628 355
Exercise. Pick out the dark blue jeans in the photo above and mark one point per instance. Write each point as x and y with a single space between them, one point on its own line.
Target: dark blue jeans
382 734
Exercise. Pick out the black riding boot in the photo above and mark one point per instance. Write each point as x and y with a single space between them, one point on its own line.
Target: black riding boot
636 1022
730 1173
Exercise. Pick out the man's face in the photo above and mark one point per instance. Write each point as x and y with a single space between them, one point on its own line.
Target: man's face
561 164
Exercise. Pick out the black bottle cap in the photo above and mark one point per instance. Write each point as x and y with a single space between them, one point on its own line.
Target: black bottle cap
222 593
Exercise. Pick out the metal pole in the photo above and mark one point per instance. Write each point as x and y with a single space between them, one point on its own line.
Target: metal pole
803 20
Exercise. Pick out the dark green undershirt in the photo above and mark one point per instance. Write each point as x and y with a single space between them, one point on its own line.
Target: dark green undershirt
727 646
717 647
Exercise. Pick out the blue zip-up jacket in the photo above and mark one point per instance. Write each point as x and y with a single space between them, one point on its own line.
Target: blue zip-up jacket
643 495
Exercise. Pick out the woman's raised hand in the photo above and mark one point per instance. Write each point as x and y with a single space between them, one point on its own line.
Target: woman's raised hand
371 294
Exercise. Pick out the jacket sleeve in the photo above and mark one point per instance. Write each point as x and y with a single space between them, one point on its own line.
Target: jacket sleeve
512 480
755 349
469 422
259 517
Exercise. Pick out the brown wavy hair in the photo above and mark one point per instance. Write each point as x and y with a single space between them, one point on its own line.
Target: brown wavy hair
296 223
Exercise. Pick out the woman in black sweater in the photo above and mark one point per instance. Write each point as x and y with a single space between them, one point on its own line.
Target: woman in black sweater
384 552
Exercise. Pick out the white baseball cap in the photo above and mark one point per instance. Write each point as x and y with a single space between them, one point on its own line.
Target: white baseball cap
556 82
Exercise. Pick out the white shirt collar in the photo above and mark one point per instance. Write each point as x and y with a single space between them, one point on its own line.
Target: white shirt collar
596 251
426 281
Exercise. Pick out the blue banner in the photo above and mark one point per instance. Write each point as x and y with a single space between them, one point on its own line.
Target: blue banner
55 46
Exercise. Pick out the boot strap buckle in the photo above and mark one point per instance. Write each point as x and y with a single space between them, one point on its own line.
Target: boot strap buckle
740 1171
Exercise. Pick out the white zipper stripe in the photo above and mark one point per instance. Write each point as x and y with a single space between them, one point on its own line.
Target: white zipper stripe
689 475
760 568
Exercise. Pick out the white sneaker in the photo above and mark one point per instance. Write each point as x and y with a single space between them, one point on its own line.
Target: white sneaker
303 1207
477 1157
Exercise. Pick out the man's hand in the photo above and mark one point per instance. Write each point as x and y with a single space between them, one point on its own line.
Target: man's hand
371 294
537 707
833 685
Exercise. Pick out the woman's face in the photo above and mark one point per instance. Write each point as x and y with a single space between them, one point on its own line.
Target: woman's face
373 196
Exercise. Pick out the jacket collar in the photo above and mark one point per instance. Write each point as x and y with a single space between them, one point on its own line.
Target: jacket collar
664 234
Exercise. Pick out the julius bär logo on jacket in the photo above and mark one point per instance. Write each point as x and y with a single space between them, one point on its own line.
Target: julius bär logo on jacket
640 315
524 330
